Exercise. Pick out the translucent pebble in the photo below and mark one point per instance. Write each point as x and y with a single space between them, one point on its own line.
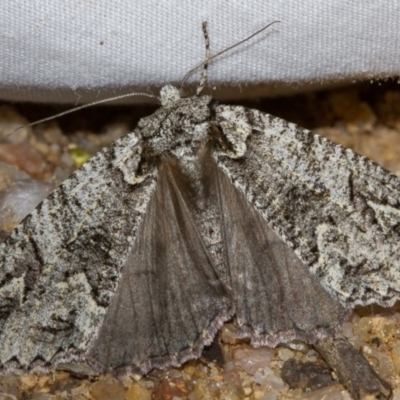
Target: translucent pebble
383 364
276 382
24 157
148 384
19 199
229 366
312 356
396 394
137 392
169 388
10 120
285 354
9 174
261 395
10 385
107 388
43 396
363 328
333 392
298 346
377 326
252 359
346 395
347 330
263 377
396 359
228 334
214 390
270 396
247 391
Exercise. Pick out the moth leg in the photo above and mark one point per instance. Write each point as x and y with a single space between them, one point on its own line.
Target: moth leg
353 369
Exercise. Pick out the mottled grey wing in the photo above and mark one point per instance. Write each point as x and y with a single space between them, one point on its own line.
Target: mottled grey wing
60 266
170 301
339 211
276 298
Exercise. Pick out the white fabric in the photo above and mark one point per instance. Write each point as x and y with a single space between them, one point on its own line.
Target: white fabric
82 50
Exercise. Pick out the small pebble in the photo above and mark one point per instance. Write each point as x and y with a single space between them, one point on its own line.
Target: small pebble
247 391
228 334
28 382
299 346
306 375
166 389
327 393
10 174
381 361
312 356
396 358
174 373
347 330
346 395
258 394
44 396
19 199
285 354
275 382
251 359
24 157
5 396
396 394
10 384
270 396
10 120
138 392
148 384
263 377
107 388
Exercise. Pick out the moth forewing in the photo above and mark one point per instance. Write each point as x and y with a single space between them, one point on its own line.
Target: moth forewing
338 210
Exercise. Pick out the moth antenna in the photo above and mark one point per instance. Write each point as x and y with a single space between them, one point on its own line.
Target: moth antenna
208 59
204 77
81 108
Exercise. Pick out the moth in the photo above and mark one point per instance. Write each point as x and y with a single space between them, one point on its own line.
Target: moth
204 213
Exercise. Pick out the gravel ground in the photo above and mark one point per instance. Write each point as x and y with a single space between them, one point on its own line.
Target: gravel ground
35 160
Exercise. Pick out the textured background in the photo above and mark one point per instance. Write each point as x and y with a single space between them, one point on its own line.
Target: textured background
81 50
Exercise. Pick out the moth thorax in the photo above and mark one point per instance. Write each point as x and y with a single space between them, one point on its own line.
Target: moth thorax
191 167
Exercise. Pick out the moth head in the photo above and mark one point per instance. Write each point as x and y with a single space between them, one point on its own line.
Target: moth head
169 95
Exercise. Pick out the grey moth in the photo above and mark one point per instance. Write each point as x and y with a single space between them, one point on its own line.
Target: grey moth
204 213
